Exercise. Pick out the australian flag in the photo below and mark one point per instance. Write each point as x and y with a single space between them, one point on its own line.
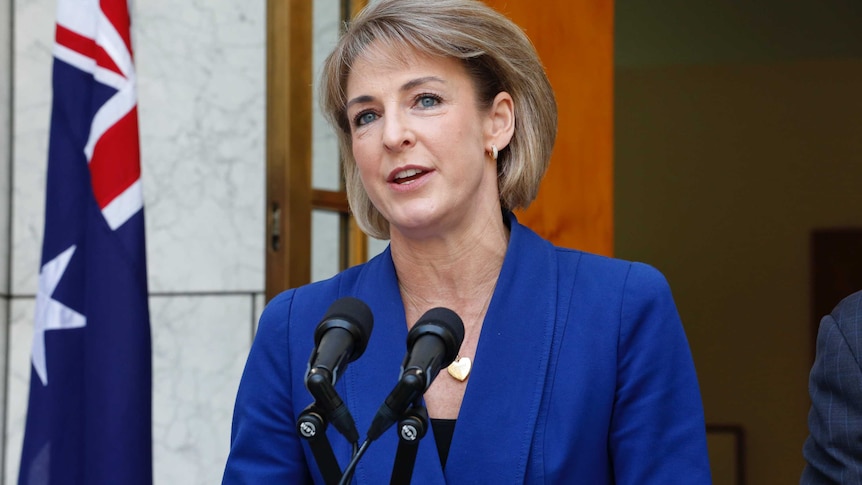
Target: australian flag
90 405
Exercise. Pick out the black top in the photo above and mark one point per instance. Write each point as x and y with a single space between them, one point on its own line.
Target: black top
443 431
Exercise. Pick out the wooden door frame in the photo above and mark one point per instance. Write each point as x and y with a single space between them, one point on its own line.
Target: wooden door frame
290 197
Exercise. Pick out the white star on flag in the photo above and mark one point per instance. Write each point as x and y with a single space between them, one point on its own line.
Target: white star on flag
50 313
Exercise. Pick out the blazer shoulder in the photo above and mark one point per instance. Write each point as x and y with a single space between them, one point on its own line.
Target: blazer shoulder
848 318
849 309
310 300
633 274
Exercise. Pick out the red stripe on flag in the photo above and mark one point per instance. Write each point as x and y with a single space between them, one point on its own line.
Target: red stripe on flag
117 12
116 162
76 42
86 47
105 61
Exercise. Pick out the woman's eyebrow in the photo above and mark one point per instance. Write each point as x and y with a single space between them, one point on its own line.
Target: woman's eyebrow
405 87
360 99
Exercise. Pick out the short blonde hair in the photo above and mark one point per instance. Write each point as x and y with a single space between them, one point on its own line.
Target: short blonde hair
498 57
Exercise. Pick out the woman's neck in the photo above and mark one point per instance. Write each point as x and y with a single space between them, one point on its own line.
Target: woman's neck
455 271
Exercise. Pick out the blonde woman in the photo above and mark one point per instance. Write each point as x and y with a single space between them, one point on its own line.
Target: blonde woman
580 371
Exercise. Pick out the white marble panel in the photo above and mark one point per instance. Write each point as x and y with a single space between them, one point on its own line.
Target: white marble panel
259 305
199 349
201 69
18 382
200 345
4 334
33 34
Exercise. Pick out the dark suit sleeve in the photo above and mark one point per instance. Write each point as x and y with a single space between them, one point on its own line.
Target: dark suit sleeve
833 450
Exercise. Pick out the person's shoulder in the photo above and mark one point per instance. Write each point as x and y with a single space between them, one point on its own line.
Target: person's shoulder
313 298
332 285
848 313
634 273
851 303
594 268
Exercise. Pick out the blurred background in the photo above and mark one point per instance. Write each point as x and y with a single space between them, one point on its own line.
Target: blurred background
734 163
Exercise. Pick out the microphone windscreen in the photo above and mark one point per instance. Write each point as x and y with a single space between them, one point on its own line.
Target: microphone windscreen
351 314
443 323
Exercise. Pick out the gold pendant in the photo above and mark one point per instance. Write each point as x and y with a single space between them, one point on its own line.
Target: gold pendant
460 369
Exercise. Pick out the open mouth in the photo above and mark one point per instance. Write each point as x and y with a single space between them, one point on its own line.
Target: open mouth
407 176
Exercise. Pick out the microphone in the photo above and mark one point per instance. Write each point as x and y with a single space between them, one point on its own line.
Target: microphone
432 344
340 338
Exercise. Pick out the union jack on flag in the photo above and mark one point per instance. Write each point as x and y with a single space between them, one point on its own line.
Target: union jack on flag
89 412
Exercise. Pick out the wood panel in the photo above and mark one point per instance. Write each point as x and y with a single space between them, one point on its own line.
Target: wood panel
288 145
574 39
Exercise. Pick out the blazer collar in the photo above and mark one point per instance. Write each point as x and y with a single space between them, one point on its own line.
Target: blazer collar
501 404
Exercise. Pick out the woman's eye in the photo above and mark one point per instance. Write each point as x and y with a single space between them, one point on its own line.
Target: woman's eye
364 118
428 101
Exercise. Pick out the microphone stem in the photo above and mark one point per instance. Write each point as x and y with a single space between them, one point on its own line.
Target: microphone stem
348 472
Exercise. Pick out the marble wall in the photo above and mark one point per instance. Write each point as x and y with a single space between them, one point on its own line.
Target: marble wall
32 34
5 198
201 92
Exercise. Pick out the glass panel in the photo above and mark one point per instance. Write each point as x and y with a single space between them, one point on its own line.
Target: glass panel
325 244
376 246
325 168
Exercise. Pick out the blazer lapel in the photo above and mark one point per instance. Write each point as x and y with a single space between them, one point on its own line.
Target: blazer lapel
499 413
375 374
500 409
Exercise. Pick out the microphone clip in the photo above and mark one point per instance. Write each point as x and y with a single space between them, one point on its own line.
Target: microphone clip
311 426
412 427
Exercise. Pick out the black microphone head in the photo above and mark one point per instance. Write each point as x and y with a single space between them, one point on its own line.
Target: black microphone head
445 324
350 314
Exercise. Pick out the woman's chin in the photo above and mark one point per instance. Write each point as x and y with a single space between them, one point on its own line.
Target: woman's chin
417 225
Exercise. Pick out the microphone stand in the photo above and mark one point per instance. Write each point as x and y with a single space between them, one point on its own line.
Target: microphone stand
412 427
311 426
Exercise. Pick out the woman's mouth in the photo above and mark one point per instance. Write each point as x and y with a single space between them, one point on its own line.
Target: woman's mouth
407 176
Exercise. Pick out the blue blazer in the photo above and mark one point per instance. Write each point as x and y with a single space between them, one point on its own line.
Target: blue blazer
582 375
833 450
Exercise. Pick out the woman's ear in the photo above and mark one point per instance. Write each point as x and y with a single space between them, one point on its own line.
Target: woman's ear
500 124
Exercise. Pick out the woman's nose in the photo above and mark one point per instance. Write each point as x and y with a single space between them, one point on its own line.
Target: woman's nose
397 134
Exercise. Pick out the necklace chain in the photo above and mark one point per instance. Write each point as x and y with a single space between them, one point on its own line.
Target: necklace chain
462 365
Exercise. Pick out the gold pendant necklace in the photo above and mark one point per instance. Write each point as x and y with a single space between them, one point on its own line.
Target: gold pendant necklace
460 368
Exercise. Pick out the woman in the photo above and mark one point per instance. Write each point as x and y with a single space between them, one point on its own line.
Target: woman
580 371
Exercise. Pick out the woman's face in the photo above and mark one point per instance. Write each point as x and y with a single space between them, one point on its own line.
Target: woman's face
420 142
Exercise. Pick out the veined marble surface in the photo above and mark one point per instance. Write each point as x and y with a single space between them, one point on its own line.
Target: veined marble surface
33 34
18 383
200 346
201 70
